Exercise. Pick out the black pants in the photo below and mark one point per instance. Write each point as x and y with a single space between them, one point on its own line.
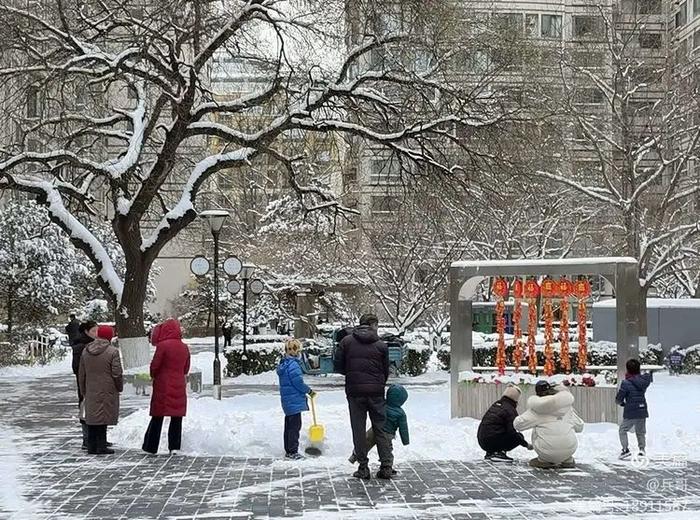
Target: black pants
360 407
227 341
504 442
292 426
152 438
83 426
96 438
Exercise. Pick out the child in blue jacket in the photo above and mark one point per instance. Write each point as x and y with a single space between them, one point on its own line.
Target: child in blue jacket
395 421
632 395
293 392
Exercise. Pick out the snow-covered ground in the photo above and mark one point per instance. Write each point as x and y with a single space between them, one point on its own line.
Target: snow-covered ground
251 425
54 368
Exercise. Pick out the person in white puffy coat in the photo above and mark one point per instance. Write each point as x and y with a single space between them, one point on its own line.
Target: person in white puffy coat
554 423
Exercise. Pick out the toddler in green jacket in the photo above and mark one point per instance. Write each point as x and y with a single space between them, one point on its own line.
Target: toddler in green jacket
396 419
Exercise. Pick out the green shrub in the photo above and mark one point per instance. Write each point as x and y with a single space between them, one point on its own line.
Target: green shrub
415 362
259 358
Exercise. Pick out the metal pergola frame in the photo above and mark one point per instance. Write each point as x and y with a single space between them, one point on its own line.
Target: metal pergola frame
621 272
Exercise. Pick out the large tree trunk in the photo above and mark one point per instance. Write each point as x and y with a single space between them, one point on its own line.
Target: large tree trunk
133 342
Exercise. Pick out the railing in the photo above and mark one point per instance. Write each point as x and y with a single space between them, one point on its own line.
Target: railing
39 346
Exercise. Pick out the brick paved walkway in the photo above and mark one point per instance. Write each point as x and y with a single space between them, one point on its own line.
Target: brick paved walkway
43 475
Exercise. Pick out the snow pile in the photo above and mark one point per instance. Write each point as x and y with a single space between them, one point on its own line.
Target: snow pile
55 368
251 425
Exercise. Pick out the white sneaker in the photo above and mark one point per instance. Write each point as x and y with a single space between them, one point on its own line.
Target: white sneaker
625 455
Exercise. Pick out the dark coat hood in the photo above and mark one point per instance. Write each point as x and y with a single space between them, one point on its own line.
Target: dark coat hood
365 334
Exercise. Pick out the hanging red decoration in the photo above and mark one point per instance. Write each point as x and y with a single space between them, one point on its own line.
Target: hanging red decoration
548 336
517 334
500 330
582 290
518 289
565 290
532 290
500 288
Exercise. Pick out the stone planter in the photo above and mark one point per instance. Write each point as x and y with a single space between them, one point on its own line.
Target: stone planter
593 404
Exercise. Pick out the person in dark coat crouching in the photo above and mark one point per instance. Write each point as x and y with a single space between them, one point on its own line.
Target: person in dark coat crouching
87 332
101 380
293 392
364 360
632 395
169 369
496 434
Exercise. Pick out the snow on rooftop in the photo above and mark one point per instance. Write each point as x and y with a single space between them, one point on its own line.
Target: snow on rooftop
656 303
540 262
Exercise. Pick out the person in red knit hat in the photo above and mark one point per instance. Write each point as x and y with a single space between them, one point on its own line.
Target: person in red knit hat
101 380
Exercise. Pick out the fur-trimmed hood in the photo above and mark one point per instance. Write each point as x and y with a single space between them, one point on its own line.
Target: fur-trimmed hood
556 405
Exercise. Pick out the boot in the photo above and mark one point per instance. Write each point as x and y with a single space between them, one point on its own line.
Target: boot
84 427
102 448
568 463
537 463
362 472
352 459
385 473
92 440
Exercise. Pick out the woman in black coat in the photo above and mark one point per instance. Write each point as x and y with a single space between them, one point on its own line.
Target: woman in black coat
496 434
84 338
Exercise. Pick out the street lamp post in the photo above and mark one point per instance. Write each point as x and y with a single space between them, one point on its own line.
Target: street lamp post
246 274
215 219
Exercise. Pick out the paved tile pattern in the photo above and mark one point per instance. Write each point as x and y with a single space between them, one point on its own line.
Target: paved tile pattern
55 480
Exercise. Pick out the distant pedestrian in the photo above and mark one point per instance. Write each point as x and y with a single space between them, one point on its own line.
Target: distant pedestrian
169 369
364 360
73 329
293 392
632 395
101 380
227 331
87 334
496 434
396 419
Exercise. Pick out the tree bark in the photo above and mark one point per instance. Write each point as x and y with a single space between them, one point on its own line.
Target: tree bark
643 321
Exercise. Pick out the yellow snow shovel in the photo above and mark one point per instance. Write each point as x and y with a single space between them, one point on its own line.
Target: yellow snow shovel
317 433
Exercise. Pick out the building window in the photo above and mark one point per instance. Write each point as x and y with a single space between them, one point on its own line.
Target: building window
650 6
696 39
532 25
588 60
551 26
588 96
682 15
33 107
508 23
586 27
384 204
384 170
682 52
650 40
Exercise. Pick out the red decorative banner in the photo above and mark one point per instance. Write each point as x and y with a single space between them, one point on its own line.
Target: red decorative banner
531 334
517 333
548 336
518 289
501 330
565 290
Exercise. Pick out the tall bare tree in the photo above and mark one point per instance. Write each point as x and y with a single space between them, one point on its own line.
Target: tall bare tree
109 102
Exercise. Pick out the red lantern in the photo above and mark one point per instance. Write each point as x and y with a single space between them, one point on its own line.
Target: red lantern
566 287
532 290
549 288
582 289
500 288
518 289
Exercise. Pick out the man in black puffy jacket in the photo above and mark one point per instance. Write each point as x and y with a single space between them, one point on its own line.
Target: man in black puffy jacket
496 434
364 360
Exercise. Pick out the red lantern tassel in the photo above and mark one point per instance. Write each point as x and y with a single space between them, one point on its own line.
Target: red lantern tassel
517 335
564 360
531 333
501 330
582 359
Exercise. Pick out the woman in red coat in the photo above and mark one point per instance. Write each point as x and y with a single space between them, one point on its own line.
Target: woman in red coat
169 369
